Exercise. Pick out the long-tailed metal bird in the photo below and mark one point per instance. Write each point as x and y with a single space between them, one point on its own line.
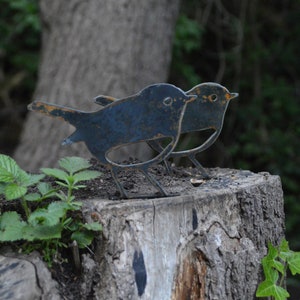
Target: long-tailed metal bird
207 112
155 112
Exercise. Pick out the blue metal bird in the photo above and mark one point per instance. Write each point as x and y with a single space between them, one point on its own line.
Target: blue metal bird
155 112
206 112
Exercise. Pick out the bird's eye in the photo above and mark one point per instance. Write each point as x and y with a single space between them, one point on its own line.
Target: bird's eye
168 101
213 97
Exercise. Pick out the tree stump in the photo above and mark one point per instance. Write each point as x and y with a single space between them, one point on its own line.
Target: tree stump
206 243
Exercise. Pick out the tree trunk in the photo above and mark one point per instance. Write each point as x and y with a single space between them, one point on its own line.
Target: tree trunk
204 245
89 48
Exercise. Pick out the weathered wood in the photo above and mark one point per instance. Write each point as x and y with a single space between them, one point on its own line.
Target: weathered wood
205 244
25 277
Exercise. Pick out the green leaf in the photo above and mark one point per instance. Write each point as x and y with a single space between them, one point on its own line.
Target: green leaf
49 216
284 250
6 176
95 226
11 227
83 238
22 178
268 288
14 191
40 216
34 179
42 232
271 274
79 186
2 187
46 190
86 175
59 208
8 168
75 205
294 263
33 197
62 184
56 173
74 164
270 261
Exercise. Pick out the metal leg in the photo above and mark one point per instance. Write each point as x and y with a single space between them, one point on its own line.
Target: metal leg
154 182
118 184
198 166
168 167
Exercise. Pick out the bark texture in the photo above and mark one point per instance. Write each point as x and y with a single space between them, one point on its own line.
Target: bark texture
93 47
206 244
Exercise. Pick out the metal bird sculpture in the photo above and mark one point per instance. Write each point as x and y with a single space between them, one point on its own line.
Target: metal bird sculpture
206 112
155 112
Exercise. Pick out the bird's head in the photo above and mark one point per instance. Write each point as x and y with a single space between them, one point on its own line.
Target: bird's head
213 94
169 96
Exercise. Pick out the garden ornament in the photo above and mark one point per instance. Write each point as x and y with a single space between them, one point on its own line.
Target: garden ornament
206 112
155 112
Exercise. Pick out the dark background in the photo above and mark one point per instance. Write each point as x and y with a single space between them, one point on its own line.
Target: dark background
251 47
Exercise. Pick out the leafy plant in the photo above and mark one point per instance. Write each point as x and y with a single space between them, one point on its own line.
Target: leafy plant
275 265
50 226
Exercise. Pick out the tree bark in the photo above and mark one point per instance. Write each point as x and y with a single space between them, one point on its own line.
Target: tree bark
89 48
206 244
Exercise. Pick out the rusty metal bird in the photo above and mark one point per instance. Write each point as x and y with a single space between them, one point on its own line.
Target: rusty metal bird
206 112
153 113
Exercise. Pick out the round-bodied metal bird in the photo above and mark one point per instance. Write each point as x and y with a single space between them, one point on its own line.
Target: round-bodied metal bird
155 112
206 112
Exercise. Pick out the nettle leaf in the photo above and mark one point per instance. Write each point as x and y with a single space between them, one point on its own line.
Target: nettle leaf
34 179
95 226
83 238
46 190
49 216
59 208
11 226
8 168
74 164
268 288
14 191
2 187
57 173
86 175
22 178
294 263
44 187
75 205
32 197
42 232
6 176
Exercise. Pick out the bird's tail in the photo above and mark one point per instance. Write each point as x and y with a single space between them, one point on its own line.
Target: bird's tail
69 115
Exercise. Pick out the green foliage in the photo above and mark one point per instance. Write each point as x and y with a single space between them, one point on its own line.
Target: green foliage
20 40
187 40
275 265
252 47
49 226
20 30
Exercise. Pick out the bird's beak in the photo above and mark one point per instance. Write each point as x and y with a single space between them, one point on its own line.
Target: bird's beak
191 98
230 96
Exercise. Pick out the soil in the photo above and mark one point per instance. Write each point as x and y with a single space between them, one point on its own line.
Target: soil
182 181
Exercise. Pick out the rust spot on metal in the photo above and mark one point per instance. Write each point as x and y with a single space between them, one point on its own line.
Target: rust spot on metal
228 96
190 281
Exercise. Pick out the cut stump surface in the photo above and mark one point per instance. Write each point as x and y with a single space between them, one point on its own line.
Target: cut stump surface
206 243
